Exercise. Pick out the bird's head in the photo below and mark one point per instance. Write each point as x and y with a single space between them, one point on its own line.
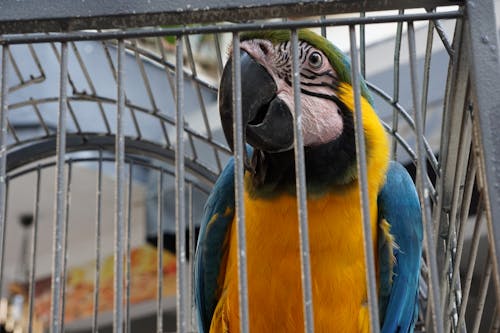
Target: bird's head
268 106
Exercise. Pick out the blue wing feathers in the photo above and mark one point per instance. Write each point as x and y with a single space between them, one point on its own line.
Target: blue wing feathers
399 205
217 217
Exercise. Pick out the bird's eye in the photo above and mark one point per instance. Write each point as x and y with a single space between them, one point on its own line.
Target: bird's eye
315 60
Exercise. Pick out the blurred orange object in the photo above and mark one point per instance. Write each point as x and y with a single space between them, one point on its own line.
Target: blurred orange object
79 302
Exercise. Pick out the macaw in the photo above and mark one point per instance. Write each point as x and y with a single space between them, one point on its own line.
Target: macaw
339 289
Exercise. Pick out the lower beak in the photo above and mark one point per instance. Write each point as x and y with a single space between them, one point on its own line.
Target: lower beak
267 120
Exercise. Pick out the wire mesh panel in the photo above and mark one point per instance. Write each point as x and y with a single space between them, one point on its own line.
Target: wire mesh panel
111 142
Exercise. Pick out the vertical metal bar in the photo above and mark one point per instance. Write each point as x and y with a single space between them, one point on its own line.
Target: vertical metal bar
159 256
165 61
34 236
180 205
463 218
58 56
434 294
495 322
239 155
2 240
451 254
95 311
363 187
55 325
485 283
323 27
473 251
65 244
427 69
192 249
301 190
395 95
456 98
362 46
485 74
128 249
218 53
119 194
4 106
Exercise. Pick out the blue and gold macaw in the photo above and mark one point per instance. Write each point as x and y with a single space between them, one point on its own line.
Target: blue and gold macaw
335 229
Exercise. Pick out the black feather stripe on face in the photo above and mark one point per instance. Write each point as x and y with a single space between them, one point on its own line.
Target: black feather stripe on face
308 77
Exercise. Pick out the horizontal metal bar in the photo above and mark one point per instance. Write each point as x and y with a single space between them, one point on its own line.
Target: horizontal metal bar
190 30
47 15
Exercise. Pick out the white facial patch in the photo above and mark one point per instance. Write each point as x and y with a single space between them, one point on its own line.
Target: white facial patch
321 119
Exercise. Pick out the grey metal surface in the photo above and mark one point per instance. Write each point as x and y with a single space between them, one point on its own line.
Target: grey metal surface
485 73
47 15
301 190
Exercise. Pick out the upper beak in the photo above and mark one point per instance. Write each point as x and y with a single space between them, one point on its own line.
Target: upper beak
267 120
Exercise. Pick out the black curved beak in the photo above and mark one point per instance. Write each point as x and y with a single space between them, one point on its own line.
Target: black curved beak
267 120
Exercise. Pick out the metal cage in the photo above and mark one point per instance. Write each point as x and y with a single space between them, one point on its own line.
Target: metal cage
109 113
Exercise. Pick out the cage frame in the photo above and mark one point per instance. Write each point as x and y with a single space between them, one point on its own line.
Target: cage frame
66 23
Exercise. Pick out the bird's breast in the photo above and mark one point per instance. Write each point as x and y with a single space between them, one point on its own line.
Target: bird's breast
273 264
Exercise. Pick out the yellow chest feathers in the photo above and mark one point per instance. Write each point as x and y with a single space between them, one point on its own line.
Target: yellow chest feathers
273 264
